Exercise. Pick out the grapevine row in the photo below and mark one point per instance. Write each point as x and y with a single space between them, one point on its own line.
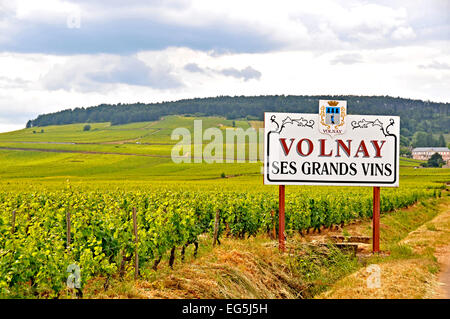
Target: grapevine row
35 254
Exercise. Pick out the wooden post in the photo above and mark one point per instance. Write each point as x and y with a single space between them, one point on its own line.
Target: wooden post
68 229
281 218
216 228
13 222
136 256
274 231
376 220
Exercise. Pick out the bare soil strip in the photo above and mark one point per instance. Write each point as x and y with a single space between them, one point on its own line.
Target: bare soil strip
79 152
103 153
443 256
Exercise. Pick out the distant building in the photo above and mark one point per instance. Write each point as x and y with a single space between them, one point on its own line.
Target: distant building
424 153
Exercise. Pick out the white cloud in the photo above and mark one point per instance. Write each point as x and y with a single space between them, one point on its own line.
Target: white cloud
436 65
347 58
7 127
205 48
52 83
403 33
246 74
102 72
262 24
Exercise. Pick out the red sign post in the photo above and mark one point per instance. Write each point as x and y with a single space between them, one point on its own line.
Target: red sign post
281 218
376 220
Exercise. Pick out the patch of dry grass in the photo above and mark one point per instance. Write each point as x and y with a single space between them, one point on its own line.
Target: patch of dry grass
256 124
411 270
432 234
400 279
235 269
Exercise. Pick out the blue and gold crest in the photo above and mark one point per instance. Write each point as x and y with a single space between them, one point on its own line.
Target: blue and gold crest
332 117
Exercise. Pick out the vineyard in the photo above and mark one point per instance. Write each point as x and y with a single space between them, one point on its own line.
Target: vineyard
65 209
43 232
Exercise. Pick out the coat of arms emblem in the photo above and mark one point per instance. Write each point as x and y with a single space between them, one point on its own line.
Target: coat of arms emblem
332 117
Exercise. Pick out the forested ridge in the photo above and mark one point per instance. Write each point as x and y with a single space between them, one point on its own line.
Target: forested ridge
416 115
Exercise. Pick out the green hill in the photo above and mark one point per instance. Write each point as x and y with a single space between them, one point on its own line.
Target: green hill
416 115
145 132
135 151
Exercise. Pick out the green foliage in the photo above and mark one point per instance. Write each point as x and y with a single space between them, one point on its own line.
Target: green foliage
87 127
441 141
423 139
400 251
404 141
321 267
405 151
36 256
434 161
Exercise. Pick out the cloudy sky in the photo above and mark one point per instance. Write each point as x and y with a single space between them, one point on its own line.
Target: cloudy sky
57 54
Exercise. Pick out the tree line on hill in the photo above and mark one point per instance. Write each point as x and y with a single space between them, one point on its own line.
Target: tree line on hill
419 119
420 139
423 139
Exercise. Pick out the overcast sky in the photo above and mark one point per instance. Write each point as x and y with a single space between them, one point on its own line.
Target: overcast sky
58 54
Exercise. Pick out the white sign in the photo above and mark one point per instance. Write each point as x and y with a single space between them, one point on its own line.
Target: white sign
331 148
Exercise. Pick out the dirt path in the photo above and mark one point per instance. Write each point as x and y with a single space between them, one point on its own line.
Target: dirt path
49 150
443 256
131 141
79 152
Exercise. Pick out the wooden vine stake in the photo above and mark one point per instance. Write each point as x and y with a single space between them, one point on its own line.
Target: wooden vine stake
274 231
136 256
216 228
13 222
68 229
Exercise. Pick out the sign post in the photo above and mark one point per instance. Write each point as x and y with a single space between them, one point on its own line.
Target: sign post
331 148
376 220
281 218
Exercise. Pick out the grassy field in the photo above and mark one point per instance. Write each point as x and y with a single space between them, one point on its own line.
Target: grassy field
137 151
108 157
151 139
144 132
